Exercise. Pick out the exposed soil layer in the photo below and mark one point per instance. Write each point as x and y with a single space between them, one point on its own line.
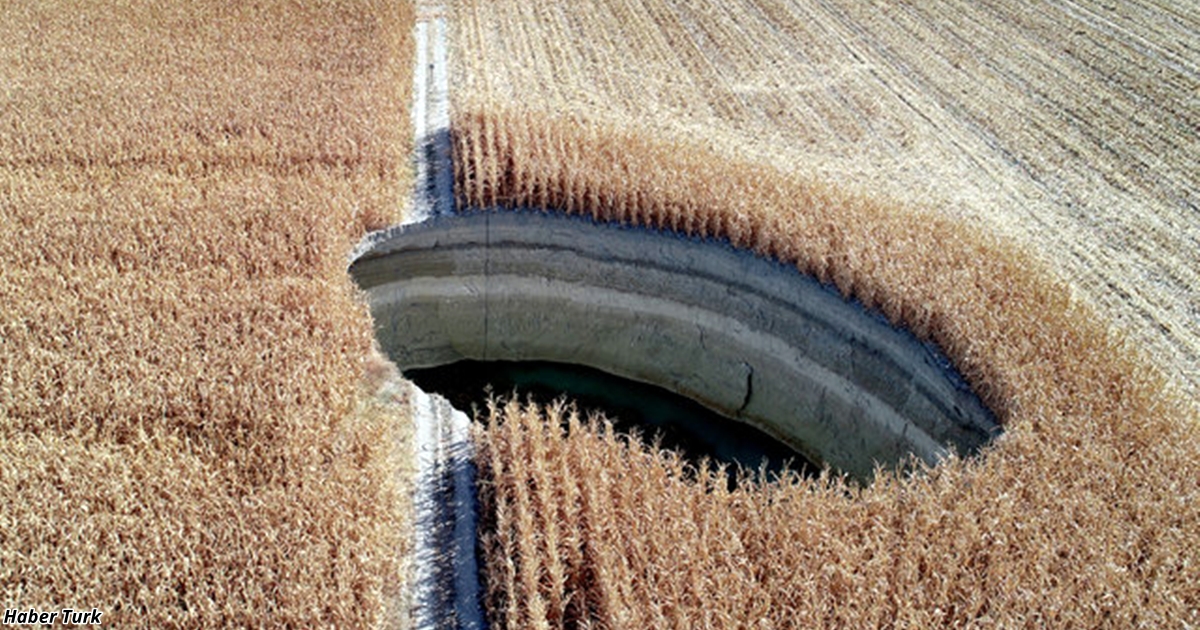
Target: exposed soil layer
746 337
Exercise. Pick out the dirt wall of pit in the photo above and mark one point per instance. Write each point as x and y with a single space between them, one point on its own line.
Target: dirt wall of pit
748 337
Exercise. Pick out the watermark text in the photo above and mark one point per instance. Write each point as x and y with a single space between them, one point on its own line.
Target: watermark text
66 617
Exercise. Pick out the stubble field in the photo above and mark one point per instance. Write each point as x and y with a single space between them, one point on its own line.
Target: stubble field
1070 127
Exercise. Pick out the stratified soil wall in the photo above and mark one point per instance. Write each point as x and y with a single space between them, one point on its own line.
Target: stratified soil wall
747 337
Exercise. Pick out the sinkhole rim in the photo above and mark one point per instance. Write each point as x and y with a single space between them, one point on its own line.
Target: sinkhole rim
747 336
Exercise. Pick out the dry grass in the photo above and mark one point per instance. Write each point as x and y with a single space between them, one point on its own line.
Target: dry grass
1083 515
187 432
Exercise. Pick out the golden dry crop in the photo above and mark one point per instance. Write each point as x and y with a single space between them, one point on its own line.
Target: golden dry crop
1069 128
186 436
961 167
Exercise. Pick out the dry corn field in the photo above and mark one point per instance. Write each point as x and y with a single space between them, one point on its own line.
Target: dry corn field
1015 183
188 434
1069 127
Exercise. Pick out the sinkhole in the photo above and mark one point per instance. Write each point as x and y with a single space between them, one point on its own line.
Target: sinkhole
656 414
459 299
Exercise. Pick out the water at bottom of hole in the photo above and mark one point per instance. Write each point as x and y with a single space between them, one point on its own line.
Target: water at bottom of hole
680 423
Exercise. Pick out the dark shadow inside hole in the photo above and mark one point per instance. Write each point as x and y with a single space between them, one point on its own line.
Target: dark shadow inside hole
680 423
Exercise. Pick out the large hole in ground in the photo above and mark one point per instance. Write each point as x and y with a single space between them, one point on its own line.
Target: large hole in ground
658 415
748 338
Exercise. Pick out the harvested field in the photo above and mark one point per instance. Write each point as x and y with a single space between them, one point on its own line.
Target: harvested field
1015 185
189 430
1070 128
